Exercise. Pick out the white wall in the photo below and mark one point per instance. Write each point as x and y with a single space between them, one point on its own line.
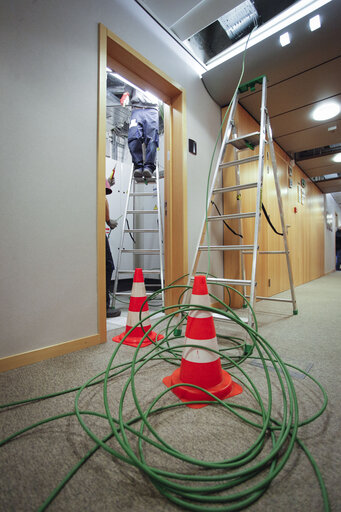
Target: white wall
332 208
48 123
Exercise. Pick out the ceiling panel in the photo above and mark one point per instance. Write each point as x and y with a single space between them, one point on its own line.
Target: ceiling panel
300 119
319 162
321 81
307 139
201 16
168 16
330 186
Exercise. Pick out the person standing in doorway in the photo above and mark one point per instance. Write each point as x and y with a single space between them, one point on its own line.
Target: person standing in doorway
143 128
338 248
109 262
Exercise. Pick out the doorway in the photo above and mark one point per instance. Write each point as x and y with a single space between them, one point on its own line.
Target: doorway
116 54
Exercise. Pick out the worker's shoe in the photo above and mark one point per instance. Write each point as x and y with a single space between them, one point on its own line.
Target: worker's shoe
138 173
147 173
111 312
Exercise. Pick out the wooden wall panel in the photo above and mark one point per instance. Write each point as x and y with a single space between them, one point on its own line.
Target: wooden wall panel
305 227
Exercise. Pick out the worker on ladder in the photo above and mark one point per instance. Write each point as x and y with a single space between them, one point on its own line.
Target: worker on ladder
143 128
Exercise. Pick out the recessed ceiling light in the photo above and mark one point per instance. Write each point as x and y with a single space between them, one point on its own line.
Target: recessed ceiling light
315 22
337 157
284 39
326 111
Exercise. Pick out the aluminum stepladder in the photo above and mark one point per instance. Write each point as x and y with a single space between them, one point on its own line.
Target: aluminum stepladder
247 141
129 229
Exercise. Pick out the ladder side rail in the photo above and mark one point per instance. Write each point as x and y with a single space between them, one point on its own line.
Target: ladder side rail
280 206
239 203
160 231
258 199
118 263
220 157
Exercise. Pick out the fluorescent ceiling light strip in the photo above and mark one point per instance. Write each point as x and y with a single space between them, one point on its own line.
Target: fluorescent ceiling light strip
283 20
126 81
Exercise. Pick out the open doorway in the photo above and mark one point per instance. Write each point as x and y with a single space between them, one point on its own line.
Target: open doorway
116 54
135 203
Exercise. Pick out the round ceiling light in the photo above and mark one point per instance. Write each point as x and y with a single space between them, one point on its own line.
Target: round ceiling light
337 157
326 111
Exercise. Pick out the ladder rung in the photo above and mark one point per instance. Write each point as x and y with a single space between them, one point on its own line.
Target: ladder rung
142 194
141 211
234 163
232 282
233 216
141 230
128 294
225 247
234 188
271 298
245 141
266 252
142 251
144 271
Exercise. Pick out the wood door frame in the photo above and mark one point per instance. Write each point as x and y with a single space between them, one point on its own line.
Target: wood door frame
126 61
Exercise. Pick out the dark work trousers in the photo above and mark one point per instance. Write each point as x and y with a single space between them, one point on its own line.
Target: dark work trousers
109 268
144 128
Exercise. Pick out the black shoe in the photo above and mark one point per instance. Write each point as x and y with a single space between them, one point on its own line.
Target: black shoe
138 173
147 173
111 312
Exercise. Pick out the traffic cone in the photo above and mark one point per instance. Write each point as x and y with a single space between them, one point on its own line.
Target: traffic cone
138 296
198 365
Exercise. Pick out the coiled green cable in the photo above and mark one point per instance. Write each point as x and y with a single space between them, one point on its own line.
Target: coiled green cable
227 484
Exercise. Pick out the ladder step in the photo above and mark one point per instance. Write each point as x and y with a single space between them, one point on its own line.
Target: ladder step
271 298
232 282
249 141
234 188
266 252
144 271
225 247
142 194
233 216
128 294
141 230
234 163
142 211
142 251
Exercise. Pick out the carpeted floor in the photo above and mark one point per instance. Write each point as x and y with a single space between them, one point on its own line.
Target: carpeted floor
34 463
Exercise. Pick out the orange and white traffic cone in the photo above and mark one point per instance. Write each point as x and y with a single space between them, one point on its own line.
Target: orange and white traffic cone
137 298
200 366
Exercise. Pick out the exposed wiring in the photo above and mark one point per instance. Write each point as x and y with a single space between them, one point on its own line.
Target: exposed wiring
269 221
225 223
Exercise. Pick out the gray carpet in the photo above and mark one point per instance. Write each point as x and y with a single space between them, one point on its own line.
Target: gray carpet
34 463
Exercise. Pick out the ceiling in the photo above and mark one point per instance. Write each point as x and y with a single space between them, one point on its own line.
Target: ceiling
300 75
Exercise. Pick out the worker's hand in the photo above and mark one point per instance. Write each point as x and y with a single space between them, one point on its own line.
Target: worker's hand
112 223
124 99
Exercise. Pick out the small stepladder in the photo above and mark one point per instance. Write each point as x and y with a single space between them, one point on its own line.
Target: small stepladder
130 214
240 143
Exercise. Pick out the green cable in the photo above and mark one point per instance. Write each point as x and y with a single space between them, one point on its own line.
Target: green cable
215 147
210 491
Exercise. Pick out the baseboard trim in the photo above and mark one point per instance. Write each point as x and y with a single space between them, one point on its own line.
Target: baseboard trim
34 356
